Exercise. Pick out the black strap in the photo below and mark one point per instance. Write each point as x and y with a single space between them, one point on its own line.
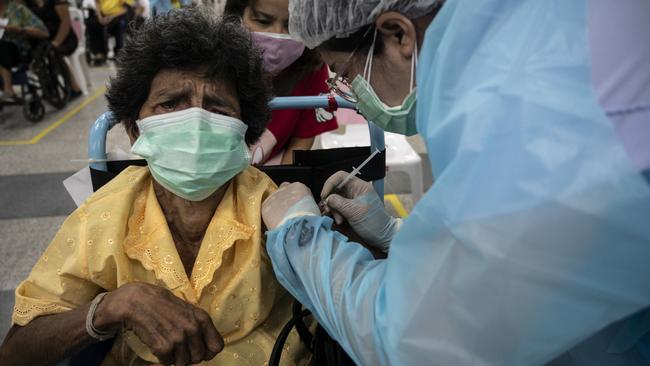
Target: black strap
326 351
276 354
646 175
301 327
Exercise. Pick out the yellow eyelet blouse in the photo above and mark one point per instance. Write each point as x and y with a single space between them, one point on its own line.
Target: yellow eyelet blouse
120 235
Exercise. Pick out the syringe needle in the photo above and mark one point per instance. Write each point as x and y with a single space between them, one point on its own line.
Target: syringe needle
356 171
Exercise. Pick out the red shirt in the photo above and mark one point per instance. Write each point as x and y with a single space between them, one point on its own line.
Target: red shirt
289 123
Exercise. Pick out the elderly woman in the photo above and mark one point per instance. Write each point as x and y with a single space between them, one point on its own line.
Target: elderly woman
168 259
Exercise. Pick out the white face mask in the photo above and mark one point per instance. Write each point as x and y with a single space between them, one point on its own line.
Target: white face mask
399 119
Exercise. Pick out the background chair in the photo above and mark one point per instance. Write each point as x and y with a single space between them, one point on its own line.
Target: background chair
77 61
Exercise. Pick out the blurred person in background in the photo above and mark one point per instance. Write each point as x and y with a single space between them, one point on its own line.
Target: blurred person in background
110 19
159 7
141 12
294 71
56 17
15 47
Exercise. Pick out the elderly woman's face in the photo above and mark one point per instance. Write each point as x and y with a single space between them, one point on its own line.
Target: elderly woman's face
173 91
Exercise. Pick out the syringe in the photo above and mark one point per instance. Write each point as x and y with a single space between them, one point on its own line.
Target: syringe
356 171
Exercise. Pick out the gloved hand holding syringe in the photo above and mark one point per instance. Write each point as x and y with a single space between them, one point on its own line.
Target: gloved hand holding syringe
345 197
348 198
345 181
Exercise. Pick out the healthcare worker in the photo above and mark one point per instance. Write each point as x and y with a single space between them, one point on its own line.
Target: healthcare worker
533 245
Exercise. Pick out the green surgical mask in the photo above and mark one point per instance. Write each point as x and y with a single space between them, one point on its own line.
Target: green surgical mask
399 119
193 152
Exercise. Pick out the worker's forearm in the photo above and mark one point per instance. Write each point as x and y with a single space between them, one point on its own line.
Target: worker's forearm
46 340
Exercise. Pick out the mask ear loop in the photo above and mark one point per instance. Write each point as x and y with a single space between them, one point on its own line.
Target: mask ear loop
414 64
367 70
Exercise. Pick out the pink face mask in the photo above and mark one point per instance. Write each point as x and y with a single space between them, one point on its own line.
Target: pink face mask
280 50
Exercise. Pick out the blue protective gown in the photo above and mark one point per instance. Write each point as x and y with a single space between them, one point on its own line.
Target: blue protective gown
533 246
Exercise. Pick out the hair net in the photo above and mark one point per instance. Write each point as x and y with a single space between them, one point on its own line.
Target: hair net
315 21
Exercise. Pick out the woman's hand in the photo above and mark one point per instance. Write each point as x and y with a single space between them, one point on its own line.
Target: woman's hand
175 331
103 20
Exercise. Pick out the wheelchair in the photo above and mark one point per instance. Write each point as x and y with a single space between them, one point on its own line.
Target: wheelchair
310 167
52 74
29 97
44 77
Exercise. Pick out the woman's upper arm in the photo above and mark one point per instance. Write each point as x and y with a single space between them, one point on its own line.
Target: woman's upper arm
63 12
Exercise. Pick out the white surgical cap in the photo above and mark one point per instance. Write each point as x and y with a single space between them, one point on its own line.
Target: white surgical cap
316 21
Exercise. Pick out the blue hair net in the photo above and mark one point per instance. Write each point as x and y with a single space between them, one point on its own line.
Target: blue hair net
536 234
